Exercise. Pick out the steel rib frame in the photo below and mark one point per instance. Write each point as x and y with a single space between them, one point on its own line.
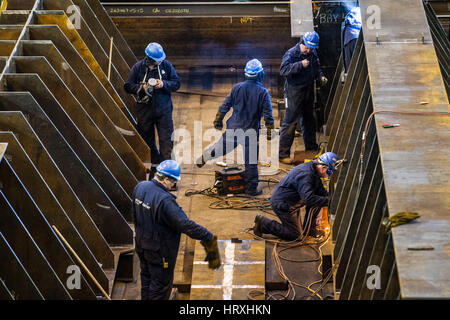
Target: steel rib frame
362 242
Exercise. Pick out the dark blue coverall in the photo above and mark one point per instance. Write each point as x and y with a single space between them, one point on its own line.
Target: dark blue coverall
299 90
250 102
159 222
301 183
350 36
158 112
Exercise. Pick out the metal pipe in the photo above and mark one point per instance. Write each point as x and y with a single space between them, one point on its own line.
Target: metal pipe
81 262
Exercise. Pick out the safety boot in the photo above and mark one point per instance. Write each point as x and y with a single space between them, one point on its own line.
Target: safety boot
286 160
257 227
254 193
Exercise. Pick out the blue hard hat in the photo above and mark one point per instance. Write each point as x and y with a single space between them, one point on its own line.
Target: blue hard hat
155 51
329 159
253 68
353 18
170 168
311 39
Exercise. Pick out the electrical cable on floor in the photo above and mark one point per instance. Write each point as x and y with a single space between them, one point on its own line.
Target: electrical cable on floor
299 242
236 202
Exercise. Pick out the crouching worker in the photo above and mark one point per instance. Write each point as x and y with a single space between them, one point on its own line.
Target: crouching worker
159 222
250 102
301 186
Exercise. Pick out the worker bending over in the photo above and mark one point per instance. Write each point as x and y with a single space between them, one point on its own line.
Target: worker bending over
159 222
250 102
301 186
301 67
152 80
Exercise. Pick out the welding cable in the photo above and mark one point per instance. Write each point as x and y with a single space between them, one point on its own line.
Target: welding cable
237 202
300 241
328 277
320 271
366 127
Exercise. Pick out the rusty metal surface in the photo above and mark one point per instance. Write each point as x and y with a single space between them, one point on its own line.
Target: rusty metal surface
75 155
39 229
18 17
66 40
35 265
49 205
10 32
112 31
14 276
101 208
412 184
301 17
89 23
73 135
78 115
64 193
66 87
97 109
112 106
441 44
90 50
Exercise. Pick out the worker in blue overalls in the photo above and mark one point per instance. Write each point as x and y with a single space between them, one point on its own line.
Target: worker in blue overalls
301 67
351 28
250 102
152 80
159 222
301 186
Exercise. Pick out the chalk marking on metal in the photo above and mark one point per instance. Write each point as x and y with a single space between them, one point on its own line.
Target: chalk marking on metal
125 132
102 206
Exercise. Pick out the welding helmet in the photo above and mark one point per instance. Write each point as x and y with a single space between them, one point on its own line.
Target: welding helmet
170 168
254 70
155 52
311 39
329 159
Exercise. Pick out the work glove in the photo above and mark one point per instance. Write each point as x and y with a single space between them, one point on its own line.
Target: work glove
218 121
212 253
269 128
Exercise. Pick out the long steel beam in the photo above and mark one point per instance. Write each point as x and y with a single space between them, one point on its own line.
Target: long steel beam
113 32
40 230
73 135
49 204
74 155
89 103
92 34
90 50
103 91
394 77
44 136
14 276
63 192
80 116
